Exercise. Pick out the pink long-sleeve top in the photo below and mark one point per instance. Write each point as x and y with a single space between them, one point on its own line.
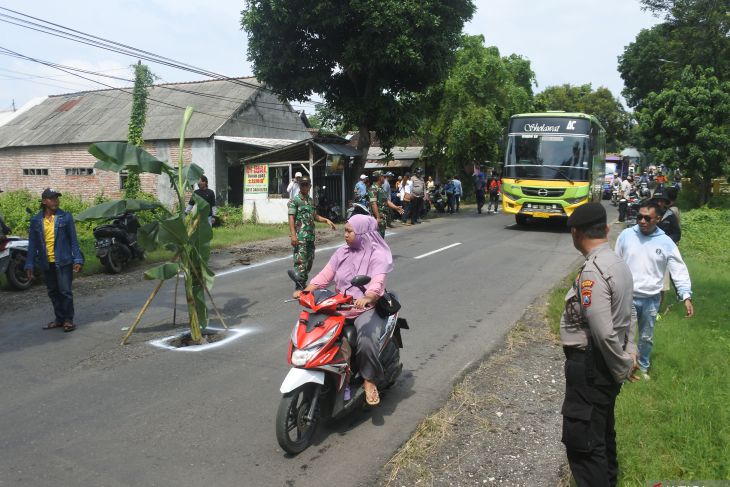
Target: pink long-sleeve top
376 286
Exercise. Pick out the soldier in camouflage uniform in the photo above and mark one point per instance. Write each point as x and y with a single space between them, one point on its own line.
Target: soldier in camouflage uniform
302 216
379 202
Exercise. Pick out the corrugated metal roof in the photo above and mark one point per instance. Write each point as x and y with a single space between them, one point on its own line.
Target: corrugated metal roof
338 149
389 164
97 116
414 152
256 141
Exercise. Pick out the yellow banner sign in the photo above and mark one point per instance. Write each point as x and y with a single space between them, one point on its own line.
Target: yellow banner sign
257 178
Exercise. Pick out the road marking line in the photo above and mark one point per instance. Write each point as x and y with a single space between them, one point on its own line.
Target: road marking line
438 250
278 259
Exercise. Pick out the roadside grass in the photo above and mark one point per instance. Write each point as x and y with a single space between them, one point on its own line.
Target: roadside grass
677 425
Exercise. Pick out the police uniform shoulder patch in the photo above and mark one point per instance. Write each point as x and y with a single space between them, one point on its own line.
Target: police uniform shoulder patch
586 284
586 297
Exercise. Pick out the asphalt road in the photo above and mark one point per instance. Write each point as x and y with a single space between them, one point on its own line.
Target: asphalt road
77 409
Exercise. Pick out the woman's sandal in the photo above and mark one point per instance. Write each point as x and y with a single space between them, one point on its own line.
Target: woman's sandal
372 397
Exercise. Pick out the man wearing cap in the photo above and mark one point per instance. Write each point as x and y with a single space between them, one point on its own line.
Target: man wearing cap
302 216
208 195
597 334
669 222
361 190
293 187
379 202
649 253
54 249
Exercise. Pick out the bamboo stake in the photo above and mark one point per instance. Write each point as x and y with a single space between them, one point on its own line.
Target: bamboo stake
142 311
174 300
220 318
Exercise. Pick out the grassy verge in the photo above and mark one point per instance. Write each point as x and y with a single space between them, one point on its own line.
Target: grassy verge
677 425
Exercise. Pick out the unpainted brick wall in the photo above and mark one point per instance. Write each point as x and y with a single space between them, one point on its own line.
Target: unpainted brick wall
59 157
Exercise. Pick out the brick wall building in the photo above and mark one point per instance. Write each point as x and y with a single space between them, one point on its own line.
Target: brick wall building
47 146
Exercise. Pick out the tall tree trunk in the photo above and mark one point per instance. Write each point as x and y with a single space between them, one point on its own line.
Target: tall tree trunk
706 192
363 146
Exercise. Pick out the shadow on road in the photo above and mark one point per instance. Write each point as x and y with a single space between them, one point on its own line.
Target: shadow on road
539 225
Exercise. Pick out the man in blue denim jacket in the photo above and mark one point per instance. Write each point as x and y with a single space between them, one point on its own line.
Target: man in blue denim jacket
54 249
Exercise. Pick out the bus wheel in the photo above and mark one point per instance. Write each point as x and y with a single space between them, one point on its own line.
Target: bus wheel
521 219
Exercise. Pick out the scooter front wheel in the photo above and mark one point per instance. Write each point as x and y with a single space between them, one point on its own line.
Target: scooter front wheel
17 277
294 428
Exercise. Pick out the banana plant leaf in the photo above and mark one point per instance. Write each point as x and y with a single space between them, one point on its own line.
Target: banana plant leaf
147 235
111 209
163 272
117 156
172 231
191 174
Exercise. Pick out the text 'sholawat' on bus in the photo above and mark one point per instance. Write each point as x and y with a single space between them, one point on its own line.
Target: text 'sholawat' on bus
554 163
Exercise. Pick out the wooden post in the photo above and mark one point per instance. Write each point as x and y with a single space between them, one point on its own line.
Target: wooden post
142 311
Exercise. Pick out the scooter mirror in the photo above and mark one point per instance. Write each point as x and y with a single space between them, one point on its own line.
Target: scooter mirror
360 280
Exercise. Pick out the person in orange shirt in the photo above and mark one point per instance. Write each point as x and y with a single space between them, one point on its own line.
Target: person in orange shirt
54 248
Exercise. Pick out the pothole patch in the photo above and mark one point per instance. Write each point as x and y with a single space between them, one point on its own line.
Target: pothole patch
212 338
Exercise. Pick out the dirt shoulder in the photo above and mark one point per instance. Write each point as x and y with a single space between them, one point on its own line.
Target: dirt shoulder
220 259
502 424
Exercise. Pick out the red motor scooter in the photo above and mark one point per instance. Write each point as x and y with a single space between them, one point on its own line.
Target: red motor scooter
322 382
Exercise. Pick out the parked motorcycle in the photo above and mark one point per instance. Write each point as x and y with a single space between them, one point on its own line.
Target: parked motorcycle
323 382
329 209
438 199
116 242
643 190
358 209
13 254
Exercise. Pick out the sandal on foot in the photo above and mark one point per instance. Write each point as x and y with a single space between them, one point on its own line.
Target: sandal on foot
52 325
68 326
372 397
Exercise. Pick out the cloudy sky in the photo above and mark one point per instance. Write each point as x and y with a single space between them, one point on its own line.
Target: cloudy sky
567 41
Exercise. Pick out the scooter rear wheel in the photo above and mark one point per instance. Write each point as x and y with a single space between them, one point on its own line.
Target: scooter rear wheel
113 261
294 431
17 277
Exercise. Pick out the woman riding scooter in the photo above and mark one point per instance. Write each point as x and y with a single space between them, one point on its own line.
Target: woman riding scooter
367 254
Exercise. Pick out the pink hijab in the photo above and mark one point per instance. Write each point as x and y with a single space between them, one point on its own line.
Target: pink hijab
368 255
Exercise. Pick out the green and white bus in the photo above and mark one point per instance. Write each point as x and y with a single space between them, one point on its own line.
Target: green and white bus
554 163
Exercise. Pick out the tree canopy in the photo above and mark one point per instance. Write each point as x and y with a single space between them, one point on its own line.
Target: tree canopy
688 125
469 110
600 103
365 58
693 33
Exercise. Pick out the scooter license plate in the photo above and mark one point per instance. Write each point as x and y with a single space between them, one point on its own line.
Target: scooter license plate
106 242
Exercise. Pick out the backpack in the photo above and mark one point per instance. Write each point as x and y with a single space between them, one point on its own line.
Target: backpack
418 189
493 186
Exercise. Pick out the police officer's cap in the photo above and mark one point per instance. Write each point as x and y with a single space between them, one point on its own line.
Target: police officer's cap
588 214
305 180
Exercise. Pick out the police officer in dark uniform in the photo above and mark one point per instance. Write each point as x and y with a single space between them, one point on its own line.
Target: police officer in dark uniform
597 332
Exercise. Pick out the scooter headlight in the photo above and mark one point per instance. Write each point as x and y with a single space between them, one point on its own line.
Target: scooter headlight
299 357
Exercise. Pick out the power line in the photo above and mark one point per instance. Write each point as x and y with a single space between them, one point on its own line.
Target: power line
102 43
4 50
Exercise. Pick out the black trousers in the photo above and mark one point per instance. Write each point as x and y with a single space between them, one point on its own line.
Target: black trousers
480 200
58 283
588 419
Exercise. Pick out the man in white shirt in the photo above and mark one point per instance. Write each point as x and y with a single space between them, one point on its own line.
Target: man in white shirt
648 252
293 187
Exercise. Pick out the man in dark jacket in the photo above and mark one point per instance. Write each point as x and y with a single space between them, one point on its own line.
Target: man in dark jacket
669 222
54 249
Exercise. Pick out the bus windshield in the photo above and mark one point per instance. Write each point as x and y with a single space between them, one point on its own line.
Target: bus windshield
533 156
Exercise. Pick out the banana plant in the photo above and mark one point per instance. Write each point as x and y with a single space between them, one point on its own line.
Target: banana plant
188 236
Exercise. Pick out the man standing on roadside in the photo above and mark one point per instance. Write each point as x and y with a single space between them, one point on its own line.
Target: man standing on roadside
302 216
493 188
208 195
379 202
361 190
649 252
480 185
293 187
54 248
458 192
418 191
600 354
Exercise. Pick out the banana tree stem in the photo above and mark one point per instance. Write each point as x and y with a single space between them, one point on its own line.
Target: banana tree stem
174 300
142 311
